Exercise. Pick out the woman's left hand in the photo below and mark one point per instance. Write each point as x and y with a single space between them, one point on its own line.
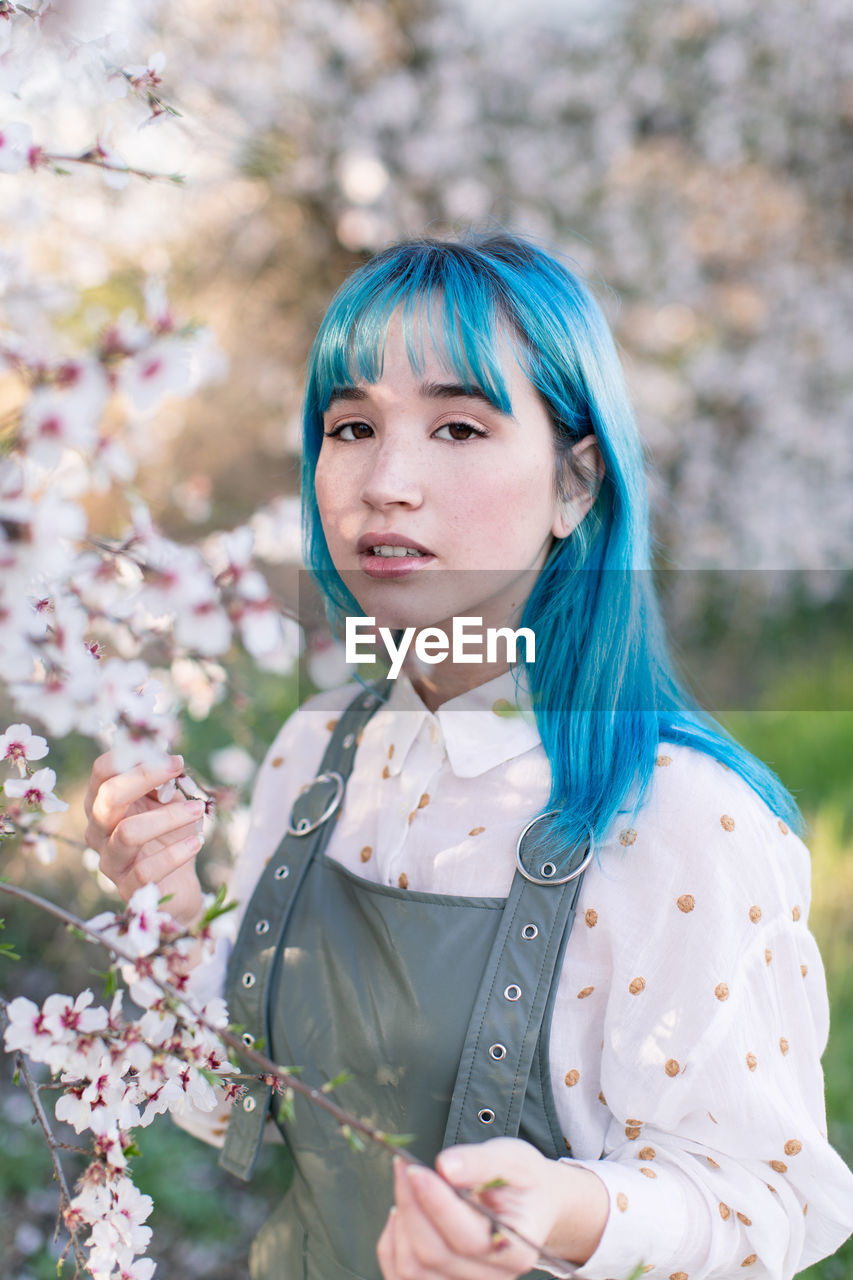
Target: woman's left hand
431 1233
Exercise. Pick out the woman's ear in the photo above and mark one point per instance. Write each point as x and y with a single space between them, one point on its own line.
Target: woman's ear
581 480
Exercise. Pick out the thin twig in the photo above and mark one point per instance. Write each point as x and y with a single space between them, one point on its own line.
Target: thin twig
90 157
24 832
266 1067
68 1146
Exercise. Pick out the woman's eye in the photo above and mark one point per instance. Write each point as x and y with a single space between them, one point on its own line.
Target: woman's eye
350 431
459 431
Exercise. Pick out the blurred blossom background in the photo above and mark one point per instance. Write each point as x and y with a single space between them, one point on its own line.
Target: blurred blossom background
693 160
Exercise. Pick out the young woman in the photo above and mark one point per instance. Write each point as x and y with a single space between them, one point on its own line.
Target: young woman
645 1084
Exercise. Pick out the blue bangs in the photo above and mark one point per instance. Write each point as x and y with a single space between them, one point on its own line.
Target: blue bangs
440 300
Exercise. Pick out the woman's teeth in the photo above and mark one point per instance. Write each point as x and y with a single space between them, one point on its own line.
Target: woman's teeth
395 551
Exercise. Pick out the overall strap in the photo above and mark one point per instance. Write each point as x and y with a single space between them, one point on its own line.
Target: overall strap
251 966
512 1000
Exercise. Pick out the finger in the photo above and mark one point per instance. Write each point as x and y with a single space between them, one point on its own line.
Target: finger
460 1226
464 1231
141 835
103 768
117 791
153 868
139 829
420 1249
473 1164
385 1250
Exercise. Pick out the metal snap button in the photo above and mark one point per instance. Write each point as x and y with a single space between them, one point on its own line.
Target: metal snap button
512 992
530 931
248 1039
486 1116
548 870
348 740
262 927
281 873
497 1051
249 1103
248 980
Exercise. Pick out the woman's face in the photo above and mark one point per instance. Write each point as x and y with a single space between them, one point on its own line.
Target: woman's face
413 461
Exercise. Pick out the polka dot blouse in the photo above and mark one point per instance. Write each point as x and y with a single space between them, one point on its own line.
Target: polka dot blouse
691 1010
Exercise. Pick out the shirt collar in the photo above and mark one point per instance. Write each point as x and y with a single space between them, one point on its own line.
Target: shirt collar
478 729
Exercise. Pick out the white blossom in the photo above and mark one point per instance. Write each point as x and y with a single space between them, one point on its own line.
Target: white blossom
19 744
100 1105
138 928
278 531
232 765
162 368
121 1222
36 791
26 1029
200 684
144 728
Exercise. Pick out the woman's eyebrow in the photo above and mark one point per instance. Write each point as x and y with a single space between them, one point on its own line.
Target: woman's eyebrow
428 390
347 393
455 391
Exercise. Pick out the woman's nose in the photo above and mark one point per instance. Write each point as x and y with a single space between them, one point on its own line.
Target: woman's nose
394 477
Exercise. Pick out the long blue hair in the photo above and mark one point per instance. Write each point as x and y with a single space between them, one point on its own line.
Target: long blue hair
603 686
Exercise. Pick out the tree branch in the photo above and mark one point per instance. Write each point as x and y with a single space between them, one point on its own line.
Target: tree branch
92 158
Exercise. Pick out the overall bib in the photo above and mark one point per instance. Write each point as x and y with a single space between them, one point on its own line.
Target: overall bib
438 1007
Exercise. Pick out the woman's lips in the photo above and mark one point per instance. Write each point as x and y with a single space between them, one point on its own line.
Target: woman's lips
392 566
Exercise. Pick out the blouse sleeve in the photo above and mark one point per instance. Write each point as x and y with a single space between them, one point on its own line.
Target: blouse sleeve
290 763
715 1155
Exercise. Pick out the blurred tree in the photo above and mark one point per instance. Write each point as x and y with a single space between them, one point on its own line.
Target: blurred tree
695 157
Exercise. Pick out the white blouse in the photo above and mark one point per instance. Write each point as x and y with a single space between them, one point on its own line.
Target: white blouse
691 1010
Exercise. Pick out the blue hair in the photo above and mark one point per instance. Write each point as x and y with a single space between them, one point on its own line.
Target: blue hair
603 687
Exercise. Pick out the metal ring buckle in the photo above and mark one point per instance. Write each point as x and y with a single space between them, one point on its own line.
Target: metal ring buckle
303 826
573 875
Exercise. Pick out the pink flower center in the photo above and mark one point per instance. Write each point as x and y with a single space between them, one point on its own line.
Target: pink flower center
69 374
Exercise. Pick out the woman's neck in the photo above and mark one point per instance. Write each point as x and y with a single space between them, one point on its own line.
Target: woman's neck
437 684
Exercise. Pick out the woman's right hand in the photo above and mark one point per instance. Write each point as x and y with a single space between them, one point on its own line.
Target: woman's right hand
142 840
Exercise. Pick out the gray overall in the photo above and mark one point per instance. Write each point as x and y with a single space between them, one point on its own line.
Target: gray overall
439 1007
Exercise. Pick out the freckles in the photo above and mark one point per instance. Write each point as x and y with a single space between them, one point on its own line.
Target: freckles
336 503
